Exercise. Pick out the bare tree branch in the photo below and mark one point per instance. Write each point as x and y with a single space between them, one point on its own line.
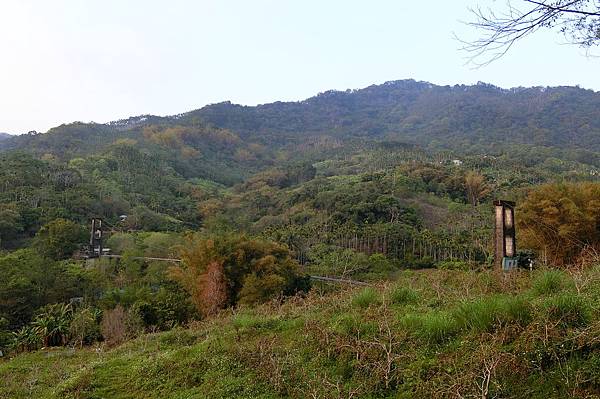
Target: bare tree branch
578 20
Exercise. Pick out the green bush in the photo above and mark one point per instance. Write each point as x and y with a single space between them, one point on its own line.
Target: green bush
52 324
483 314
26 338
477 315
515 310
5 334
59 239
365 298
232 268
85 326
335 261
570 310
435 327
551 282
403 295
166 308
380 264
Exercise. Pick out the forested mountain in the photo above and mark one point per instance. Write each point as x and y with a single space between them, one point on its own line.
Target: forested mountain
451 117
4 136
420 112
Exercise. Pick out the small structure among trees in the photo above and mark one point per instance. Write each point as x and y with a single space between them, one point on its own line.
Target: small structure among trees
505 244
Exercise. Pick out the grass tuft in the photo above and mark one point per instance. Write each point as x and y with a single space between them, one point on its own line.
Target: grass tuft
485 313
366 298
403 295
434 327
551 282
570 310
352 325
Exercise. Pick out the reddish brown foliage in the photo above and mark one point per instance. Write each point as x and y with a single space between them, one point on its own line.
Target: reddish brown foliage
212 294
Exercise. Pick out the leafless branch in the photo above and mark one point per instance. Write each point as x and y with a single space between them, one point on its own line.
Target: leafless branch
578 20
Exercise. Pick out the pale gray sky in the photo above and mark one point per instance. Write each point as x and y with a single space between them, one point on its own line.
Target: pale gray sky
101 60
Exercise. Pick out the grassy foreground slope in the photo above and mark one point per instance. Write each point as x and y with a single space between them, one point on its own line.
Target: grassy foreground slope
436 333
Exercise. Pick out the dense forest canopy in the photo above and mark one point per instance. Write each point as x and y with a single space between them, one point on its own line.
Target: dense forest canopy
405 110
427 114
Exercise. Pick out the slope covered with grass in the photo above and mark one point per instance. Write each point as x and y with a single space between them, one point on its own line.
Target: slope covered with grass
436 333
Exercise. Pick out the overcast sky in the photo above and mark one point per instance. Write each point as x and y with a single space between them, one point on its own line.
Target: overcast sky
102 60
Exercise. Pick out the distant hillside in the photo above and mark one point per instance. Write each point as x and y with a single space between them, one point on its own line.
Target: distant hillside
232 140
4 136
420 112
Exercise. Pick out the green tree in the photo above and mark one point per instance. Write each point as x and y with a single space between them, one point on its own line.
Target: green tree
10 224
228 269
59 239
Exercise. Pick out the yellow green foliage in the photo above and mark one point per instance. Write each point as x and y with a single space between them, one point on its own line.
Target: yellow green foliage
561 221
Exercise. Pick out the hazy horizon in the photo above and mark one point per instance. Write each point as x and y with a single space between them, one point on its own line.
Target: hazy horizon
67 61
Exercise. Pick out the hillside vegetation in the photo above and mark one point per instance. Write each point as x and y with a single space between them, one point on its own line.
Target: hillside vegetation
427 334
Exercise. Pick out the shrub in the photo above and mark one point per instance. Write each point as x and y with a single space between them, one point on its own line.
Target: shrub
554 211
234 268
85 327
365 298
403 295
551 282
259 289
162 309
570 310
425 262
411 322
453 265
5 334
52 324
380 264
333 260
26 338
59 239
171 307
476 315
515 310
119 325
